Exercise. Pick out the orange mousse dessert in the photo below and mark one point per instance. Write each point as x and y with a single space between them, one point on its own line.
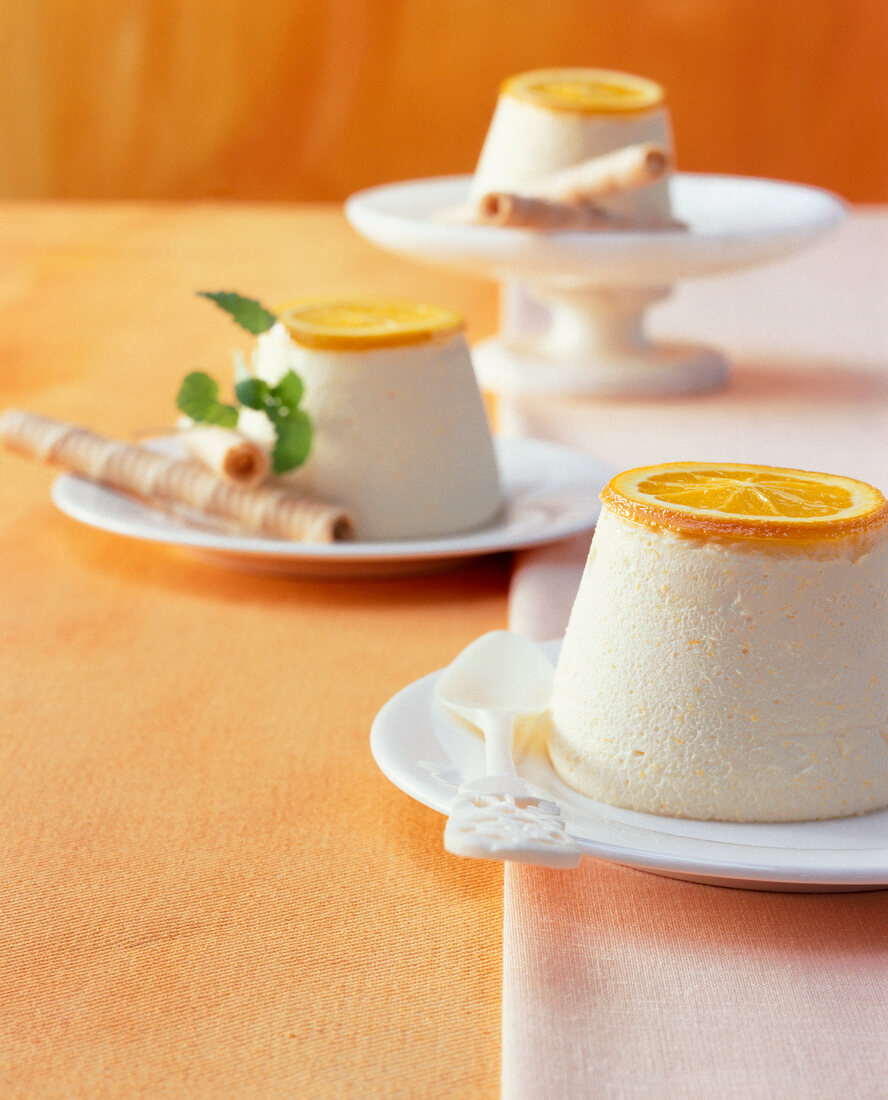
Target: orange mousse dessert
550 121
726 654
401 438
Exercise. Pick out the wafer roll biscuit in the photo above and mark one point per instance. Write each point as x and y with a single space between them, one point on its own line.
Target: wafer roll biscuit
524 212
159 480
625 169
228 453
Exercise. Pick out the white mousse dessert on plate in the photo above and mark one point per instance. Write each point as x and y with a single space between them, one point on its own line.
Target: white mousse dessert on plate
400 434
551 120
726 653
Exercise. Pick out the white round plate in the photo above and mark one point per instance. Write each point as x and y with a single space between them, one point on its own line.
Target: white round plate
551 492
427 755
733 222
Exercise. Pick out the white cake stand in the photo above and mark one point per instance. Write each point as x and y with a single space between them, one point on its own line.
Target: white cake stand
575 302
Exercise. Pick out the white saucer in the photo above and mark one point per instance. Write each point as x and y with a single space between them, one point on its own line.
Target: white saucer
733 222
427 755
551 493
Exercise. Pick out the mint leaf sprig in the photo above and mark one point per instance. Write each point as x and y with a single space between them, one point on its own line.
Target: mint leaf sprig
247 312
198 396
280 404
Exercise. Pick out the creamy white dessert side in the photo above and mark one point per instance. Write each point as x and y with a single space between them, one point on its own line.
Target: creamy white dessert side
727 653
551 120
400 434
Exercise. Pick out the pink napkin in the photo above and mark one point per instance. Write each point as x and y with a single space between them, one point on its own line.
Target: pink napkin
622 984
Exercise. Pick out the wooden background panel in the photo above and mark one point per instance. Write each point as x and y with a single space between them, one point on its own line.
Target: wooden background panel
312 99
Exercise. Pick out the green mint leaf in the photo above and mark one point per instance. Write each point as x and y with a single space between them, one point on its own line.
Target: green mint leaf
247 312
289 390
197 393
252 392
223 415
198 398
293 441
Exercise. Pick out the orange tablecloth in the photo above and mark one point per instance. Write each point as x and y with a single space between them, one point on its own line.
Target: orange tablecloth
206 886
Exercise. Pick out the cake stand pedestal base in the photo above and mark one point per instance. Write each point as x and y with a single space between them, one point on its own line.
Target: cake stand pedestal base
657 370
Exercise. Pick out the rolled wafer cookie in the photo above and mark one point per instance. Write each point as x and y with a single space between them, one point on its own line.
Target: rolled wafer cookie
625 169
159 480
228 453
524 212
570 198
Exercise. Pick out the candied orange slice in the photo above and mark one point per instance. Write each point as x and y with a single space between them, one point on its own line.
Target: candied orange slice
745 501
355 324
585 90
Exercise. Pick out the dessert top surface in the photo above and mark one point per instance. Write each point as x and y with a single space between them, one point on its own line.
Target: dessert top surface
586 91
732 500
359 324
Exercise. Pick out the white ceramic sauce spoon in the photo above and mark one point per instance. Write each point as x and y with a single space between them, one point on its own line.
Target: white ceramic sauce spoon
497 679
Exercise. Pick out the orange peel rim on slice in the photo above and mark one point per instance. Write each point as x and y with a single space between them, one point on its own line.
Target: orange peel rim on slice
522 86
703 523
431 323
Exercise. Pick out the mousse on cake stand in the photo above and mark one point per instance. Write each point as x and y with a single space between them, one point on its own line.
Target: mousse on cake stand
575 302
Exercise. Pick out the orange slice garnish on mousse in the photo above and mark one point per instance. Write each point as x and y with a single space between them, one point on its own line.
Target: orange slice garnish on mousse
586 90
731 500
357 325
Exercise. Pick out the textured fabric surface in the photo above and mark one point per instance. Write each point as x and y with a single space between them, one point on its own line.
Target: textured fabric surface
623 985
207 888
544 583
